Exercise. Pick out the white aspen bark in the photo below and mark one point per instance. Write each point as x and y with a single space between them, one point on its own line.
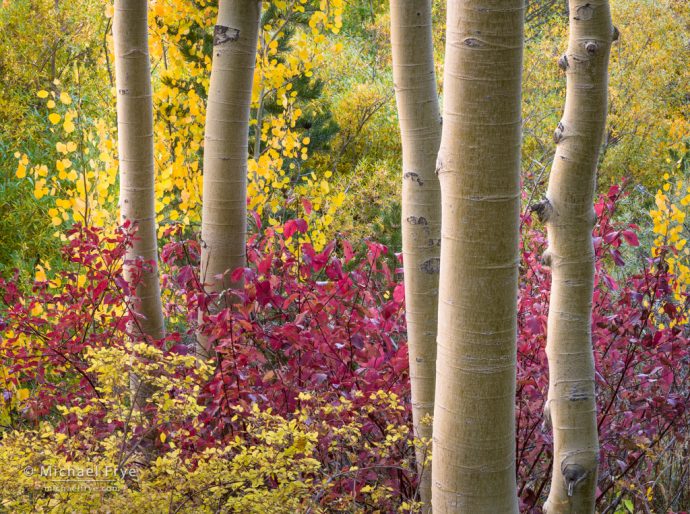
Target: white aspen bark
473 462
420 129
569 217
224 212
135 147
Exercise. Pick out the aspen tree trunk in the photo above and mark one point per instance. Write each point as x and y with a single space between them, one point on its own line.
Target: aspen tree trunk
473 462
224 213
569 217
420 128
135 147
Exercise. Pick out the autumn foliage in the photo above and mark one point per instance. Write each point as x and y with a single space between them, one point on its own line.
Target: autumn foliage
306 406
310 379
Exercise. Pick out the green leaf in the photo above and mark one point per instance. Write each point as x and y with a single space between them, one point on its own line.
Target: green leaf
628 505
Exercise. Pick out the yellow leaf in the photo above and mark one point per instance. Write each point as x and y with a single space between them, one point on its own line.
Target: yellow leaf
21 171
163 437
22 394
42 94
40 274
65 98
54 118
50 104
68 126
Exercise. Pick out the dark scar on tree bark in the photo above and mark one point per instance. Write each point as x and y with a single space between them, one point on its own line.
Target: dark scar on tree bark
414 177
543 210
414 220
431 266
222 35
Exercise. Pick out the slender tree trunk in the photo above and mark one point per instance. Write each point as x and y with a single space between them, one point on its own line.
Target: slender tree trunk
420 129
569 217
135 145
473 464
224 214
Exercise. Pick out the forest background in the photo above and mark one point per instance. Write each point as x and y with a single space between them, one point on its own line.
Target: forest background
325 149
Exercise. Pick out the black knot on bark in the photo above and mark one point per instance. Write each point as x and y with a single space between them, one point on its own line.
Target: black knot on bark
223 34
472 42
573 474
563 62
591 47
414 220
431 266
558 133
584 12
414 177
543 210
615 34
546 258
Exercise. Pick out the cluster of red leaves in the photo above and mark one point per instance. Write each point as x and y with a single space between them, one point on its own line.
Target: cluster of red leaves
45 333
331 323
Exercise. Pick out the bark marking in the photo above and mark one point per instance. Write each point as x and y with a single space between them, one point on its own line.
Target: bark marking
414 220
223 34
414 177
431 266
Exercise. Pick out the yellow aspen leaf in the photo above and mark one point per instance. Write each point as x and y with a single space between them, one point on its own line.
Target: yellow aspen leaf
68 126
50 104
42 94
54 118
65 98
21 171
40 275
39 188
